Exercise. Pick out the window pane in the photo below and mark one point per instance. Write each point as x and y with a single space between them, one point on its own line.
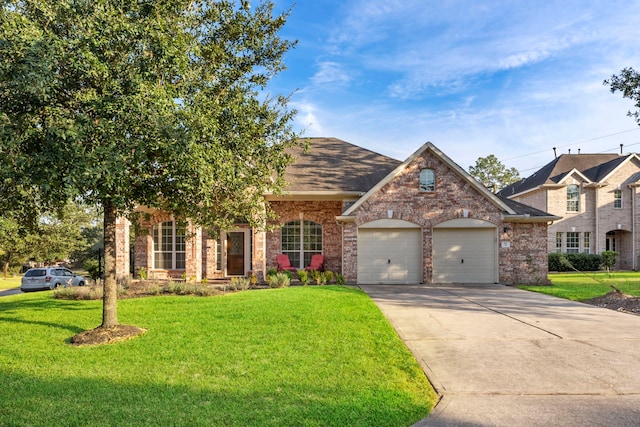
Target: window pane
573 198
558 242
300 240
573 242
169 246
617 199
587 243
427 180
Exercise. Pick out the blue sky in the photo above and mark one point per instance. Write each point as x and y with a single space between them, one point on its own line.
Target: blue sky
509 78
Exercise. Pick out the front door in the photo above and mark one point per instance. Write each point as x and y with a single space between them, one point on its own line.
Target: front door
235 254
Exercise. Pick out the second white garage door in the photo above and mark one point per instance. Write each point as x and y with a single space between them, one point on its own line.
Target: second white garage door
389 256
464 255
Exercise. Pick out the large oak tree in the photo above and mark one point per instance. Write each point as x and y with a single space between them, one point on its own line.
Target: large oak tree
159 103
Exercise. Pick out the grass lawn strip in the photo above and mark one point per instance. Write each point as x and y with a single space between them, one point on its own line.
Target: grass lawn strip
588 285
9 282
313 356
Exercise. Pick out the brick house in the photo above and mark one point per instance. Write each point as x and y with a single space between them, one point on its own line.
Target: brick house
596 196
374 218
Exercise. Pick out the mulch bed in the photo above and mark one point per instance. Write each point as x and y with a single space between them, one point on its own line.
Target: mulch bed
618 301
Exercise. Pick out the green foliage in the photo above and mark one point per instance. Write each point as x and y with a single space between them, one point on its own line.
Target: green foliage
609 259
279 280
340 279
125 104
315 276
240 283
561 262
142 273
272 271
627 82
493 174
303 277
92 267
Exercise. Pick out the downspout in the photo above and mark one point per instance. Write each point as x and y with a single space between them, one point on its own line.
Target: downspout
597 222
633 228
342 248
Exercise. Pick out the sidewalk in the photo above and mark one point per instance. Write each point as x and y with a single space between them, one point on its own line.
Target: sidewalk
500 356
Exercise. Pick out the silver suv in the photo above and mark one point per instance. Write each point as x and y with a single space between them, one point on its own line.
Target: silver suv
49 278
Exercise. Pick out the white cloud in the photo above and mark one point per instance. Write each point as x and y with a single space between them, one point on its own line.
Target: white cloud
330 73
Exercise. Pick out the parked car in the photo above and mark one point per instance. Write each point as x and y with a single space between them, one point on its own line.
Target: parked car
49 278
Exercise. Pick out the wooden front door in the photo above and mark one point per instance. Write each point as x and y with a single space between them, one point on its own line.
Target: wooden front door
235 254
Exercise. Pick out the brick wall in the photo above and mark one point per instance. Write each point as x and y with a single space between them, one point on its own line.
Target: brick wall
453 196
322 212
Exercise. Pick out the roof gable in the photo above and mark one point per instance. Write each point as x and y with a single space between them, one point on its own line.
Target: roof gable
434 151
593 167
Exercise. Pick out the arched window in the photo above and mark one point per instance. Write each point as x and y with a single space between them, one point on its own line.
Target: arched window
169 249
300 240
573 198
427 180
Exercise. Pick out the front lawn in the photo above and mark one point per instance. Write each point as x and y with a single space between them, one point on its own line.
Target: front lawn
584 286
10 282
312 356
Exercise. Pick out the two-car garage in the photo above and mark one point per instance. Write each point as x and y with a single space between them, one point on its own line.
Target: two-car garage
463 251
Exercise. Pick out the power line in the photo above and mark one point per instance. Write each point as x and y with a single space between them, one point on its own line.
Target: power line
599 152
574 143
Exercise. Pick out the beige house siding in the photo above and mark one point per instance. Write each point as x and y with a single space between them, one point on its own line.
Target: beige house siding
597 215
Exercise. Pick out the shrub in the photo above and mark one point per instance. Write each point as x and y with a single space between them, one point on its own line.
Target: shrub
329 275
178 288
142 273
240 283
93 268
574 261
315 276
340 279
303 277
253 280
279 280
272 271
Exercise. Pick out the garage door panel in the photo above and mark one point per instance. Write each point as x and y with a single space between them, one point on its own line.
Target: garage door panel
462 255
389 256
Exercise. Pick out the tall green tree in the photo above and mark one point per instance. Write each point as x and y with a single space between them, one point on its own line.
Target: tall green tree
493 173
627 82
161 103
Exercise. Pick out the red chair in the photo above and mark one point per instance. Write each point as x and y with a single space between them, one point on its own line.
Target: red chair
283 263
317 262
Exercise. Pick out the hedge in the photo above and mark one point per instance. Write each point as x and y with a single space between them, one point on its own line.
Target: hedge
574 261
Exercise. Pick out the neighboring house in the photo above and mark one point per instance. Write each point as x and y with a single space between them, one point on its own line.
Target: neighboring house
596 196
375 219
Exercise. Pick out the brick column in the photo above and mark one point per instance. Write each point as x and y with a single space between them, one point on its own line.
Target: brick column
122 249
193 267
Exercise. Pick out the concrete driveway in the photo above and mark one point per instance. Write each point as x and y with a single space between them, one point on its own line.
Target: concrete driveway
500 356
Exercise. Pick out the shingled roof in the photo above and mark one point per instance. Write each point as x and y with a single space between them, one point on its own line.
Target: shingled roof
333 165
594 167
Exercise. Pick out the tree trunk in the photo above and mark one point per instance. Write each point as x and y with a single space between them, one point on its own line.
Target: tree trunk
110 286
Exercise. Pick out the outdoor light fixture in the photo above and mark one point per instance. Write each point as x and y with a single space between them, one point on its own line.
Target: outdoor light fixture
390 213
465 213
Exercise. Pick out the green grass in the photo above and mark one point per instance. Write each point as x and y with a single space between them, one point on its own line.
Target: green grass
303 356
584 286
9 282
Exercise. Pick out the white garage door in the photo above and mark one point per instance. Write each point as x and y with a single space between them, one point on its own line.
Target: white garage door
464 255
389 256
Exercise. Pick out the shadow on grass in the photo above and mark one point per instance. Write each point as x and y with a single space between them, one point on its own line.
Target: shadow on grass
88 401
19 311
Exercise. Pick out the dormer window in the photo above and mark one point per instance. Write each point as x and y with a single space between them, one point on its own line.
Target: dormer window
573 198
427 180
